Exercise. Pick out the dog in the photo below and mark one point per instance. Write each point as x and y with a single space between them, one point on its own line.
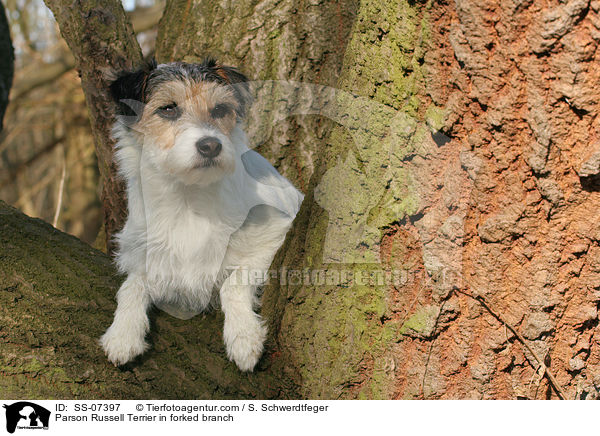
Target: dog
203 209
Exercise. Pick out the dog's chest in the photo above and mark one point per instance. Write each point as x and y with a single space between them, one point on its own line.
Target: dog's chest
186 249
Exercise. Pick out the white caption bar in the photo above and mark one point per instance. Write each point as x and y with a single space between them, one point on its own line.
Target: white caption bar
89 418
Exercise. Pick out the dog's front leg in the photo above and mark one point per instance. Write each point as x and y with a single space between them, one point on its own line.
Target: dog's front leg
244 331
125 338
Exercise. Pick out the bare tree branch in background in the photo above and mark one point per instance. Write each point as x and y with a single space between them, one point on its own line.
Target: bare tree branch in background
101 38
22 166
47 106
40 74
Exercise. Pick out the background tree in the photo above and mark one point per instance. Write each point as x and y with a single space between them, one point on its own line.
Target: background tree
469 166
100 38
48 165
6 68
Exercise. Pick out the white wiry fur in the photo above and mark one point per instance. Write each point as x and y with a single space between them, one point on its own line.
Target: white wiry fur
192 231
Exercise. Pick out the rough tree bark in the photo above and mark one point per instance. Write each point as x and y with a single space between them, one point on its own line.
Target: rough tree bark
518 84
503 207
462 163
6 66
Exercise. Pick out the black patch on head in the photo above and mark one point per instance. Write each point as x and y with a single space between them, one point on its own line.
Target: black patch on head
130 88
207 71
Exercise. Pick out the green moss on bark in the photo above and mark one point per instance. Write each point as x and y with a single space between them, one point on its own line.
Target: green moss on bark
334 334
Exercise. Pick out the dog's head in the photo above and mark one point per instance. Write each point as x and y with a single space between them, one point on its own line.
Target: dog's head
184 116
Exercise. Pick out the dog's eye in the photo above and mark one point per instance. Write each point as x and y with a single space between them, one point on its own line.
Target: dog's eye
220 111
169 111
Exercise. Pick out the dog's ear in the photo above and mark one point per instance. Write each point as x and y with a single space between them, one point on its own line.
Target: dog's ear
240 85
128 90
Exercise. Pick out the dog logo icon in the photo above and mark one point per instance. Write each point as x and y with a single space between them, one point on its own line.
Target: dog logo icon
26 415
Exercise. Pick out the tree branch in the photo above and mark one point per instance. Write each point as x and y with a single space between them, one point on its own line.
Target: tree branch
101 39
41 75
142 20
56 300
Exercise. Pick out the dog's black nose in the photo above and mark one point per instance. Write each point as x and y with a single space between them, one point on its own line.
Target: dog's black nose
209 147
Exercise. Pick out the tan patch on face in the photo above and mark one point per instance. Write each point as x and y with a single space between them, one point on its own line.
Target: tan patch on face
223 75
195 101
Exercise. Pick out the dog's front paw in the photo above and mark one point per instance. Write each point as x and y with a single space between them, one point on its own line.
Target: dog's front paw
121 345
244 341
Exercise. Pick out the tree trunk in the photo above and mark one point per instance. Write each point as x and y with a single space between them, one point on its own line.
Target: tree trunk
517 82
493 223
447 246
6 67
481 224
102 41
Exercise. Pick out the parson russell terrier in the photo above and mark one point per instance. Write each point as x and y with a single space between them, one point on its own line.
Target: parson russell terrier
204 209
